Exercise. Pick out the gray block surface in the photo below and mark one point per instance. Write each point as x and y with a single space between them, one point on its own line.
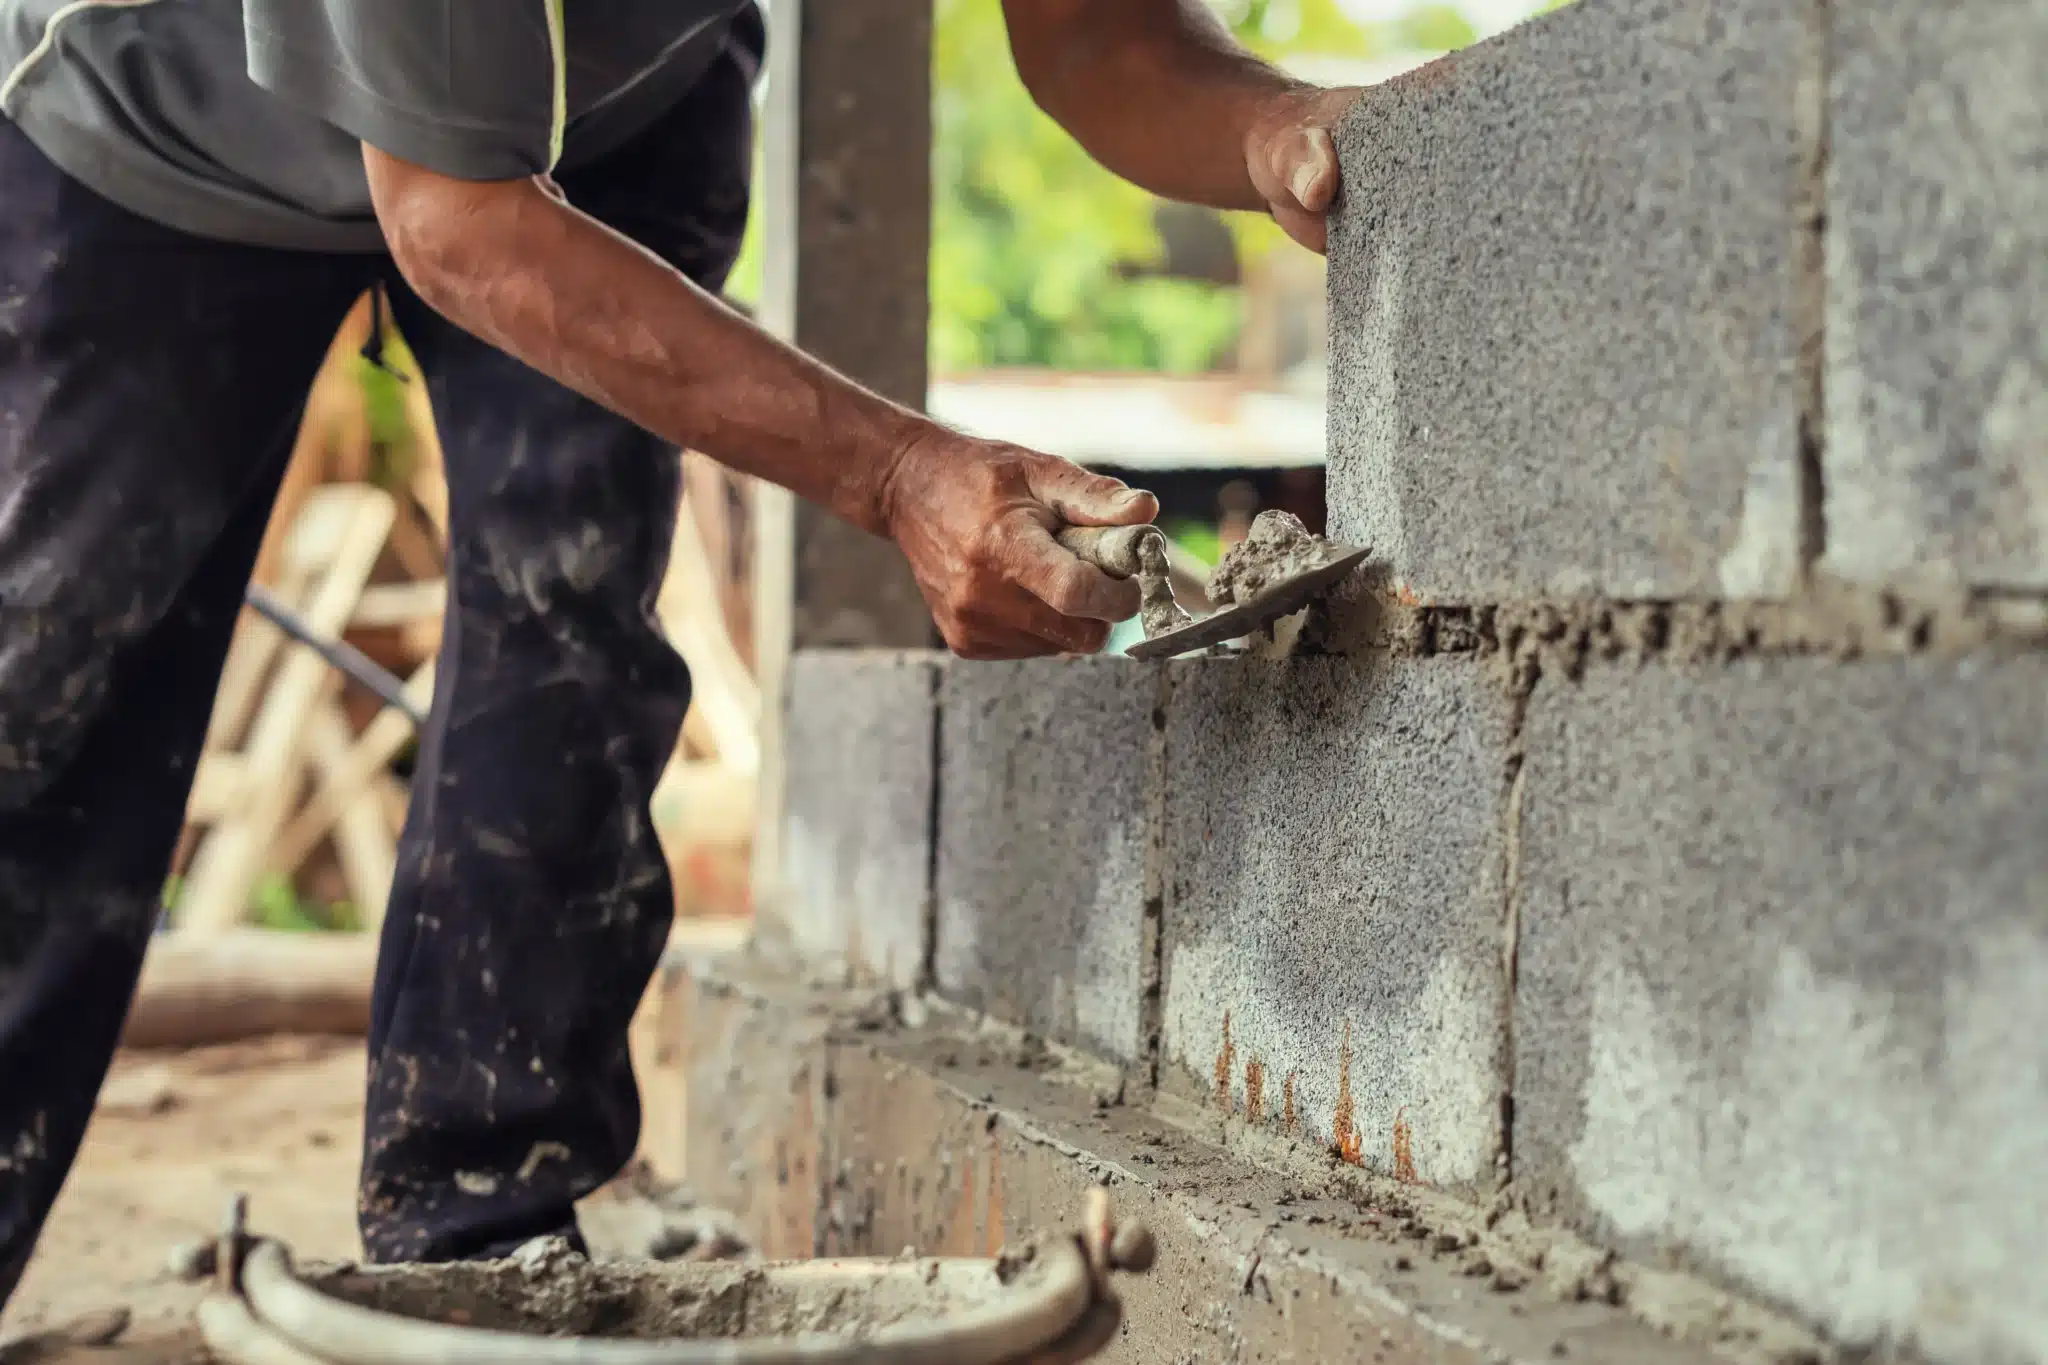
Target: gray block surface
1784 984
1042 844
1937 379
1563 331
1333 932
859 744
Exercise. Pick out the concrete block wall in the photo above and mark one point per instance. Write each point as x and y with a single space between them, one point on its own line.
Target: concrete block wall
1668 854
1043 835
1565 308
1937 282
1333 965
857 868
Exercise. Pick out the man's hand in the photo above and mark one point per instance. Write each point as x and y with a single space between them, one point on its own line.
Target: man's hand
1292 159
1159 92
976 519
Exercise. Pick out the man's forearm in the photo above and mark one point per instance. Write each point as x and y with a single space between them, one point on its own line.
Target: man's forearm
593 310
1156 90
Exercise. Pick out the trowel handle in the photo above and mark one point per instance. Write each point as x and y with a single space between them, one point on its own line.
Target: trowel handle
1112 549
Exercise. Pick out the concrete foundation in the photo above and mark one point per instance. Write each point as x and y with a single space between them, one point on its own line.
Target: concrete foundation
934 1135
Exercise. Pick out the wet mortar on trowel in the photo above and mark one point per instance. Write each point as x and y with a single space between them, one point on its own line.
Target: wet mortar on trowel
1276 548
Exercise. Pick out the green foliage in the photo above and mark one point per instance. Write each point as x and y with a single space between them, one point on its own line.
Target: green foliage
1282 28
276 904
1038 252
1198 538
1436 28
383 385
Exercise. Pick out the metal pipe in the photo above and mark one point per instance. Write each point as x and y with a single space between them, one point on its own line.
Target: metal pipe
344 657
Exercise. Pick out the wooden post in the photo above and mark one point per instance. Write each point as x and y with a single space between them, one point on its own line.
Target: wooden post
846 133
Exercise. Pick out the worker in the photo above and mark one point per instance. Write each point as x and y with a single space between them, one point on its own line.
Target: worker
550 195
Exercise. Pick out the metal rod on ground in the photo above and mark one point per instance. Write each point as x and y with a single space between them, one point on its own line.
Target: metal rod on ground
346 659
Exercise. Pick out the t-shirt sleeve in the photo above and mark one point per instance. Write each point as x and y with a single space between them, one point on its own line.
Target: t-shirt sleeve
473 89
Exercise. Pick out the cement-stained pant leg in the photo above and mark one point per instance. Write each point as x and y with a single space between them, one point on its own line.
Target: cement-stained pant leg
149 386
532 900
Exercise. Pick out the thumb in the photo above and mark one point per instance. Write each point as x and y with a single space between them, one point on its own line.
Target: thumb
1306 163
1084 499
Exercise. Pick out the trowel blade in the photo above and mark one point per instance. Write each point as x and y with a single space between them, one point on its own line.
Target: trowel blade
1282 599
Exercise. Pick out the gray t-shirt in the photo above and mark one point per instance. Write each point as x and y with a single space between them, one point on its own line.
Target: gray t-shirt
244 119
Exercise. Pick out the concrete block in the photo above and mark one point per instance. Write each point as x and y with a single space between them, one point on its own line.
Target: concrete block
1937 273
1564 318
1333 937
1044 770
859 741
1783 981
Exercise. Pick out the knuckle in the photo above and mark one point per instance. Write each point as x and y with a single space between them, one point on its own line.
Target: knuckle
1068 592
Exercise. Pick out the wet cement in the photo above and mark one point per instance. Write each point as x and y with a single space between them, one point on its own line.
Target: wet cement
1158 610
1278 547
549 1290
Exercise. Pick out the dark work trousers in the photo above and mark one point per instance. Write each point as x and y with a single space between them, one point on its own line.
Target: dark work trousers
150 389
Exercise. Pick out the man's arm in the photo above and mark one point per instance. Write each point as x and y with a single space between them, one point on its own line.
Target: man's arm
513 263
1160 93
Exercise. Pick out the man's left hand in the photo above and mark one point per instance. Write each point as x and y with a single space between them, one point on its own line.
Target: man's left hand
1292 159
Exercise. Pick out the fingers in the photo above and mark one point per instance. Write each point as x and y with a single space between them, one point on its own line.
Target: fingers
1311 230
1293 164
1085 499
1307 166
1060 580
980 538
1018 626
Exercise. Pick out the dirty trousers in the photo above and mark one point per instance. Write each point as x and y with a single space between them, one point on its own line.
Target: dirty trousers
150 388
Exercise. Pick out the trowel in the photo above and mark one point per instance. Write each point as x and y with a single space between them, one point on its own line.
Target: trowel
1278 569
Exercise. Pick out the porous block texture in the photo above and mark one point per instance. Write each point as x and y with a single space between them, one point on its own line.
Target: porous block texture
860 739
1045 768
1563 303
1784 980
1937 271
1334 950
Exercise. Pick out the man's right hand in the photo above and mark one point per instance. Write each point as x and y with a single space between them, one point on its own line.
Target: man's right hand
977 519
542 281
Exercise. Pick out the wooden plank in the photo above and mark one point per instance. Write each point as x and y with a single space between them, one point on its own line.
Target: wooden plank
722 687
398 604
199 989
234 854
217 787
368 756
362 841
